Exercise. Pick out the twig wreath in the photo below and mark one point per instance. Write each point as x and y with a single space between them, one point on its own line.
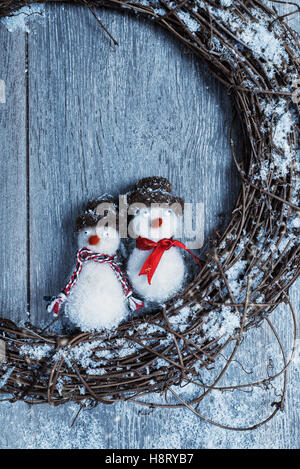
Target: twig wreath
250 267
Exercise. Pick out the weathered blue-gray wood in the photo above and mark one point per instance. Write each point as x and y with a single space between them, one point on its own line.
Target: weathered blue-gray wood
13 255
13 206
101 117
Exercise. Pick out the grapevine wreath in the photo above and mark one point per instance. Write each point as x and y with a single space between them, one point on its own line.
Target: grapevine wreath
249 268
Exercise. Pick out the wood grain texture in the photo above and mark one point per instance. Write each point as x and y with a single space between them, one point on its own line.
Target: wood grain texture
13 255
100 118
13 206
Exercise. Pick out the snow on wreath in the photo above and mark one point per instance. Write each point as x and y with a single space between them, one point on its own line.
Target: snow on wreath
104 288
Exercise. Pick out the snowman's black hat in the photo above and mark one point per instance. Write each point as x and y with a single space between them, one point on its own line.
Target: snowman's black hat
95 211
154 190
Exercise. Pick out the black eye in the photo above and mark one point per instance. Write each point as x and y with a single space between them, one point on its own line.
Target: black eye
137 211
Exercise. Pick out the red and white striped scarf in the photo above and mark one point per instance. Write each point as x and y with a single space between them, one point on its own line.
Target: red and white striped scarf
85 255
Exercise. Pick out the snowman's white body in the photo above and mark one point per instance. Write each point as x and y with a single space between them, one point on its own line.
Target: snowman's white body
97 300
167 279
170 272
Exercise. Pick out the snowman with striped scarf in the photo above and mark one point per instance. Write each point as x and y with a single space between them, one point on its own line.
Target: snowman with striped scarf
98 295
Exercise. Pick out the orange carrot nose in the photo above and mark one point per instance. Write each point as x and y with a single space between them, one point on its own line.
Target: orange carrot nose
93 240
156 223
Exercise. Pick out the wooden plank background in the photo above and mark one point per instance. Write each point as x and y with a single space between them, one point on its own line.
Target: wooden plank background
83 117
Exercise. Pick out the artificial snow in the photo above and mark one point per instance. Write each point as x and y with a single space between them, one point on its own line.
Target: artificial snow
229 54
289 239
235 276
20 19
186 430
181 319
60 385
279 122
159 11
190 22
5 377
221 324
226 3
296 222
281 133
36 352
258 355
84 355
264 44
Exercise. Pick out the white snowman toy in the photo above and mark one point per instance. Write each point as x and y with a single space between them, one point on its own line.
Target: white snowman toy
97 295
156 267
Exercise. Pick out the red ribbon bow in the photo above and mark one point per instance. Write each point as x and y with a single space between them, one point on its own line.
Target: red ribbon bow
160 247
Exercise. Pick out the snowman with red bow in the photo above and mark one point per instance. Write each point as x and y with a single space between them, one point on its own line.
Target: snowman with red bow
156 267
98 295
